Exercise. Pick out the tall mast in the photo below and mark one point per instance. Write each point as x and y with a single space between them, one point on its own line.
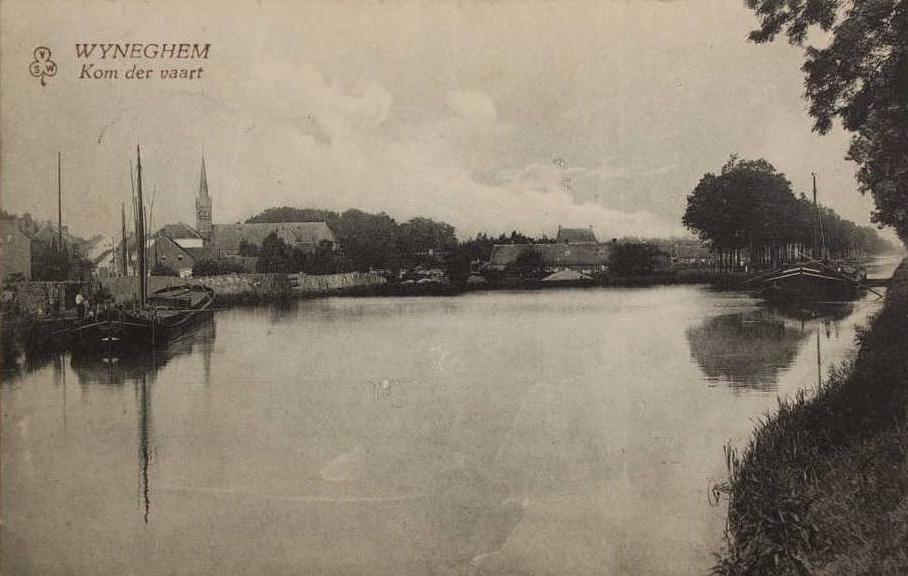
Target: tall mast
816 225
124 256
140 232
59 205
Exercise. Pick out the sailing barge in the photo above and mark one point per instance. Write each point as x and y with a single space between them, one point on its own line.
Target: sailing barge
167 316
158 319
811 279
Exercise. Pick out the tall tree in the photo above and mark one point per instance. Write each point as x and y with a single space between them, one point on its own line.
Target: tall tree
860 78
746 204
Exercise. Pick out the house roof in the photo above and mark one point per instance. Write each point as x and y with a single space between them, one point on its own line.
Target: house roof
585 254
565 276
229 236
11 225
179 231
576 235
690 250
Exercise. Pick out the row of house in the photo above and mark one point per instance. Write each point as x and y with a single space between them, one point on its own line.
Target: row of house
578 250
179 247
26 243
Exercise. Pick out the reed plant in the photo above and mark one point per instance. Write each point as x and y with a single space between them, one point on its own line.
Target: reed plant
822 488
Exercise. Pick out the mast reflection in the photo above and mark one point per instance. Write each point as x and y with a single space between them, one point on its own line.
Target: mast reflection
141 369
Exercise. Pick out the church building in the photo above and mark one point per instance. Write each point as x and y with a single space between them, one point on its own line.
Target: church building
182 244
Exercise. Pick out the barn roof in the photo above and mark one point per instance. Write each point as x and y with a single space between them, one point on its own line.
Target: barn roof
180 231
572 235
585 254
229 236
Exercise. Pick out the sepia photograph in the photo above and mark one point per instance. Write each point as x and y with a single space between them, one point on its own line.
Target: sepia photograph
453 287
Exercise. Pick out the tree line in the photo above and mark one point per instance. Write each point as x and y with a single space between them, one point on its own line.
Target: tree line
365 242
859 77
749 205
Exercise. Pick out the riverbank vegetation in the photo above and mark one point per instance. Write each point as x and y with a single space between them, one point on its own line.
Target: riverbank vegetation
823 486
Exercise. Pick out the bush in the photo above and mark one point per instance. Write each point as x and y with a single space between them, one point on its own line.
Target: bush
161 269
216 268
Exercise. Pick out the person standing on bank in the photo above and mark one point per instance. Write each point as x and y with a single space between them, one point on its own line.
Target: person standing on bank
80 305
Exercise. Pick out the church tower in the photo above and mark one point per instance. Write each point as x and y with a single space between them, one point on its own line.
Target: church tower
203 207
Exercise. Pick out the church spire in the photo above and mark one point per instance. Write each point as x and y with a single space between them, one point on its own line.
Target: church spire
203 181
203 207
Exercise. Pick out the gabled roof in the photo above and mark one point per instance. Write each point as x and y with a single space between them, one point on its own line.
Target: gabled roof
585 254
690 250
229 236
572 235
10 225
179 231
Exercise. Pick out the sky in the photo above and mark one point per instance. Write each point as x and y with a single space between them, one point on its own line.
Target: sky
491 116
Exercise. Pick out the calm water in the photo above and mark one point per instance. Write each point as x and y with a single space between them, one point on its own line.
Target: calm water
556 432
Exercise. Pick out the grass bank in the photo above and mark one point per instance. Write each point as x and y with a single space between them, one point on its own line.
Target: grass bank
823 486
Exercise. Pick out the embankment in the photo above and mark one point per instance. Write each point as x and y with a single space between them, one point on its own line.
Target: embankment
823 486
250 288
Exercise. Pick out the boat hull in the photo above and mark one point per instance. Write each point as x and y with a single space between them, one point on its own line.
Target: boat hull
803 283
154 327
131 333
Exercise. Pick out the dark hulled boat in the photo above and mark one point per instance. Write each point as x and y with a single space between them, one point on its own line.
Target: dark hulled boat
811 281
158 319
168 315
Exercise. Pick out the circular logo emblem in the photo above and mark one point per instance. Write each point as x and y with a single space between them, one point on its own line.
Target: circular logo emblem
42 66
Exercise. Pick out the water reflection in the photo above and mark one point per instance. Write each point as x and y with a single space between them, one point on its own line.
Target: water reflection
497 433
140 368
751 349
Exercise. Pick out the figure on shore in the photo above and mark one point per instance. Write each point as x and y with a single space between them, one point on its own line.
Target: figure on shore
80 305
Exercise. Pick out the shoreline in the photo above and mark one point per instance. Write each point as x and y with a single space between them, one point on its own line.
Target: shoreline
27 334
822 486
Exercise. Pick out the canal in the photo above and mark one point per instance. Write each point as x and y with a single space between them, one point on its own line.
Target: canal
554 432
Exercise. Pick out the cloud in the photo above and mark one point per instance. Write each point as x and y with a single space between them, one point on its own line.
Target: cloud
472 106
360 157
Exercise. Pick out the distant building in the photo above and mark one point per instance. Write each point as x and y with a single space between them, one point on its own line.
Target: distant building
583 257
575 235
227 238
690 254
179 246
575 249
224 240
15 250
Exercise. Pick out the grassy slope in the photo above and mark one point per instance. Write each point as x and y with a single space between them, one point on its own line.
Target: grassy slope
823 487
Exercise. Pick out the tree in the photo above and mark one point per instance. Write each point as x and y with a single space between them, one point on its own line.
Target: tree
859 78
528 263
274 256
216 268
248 248
635 258
421 235
368 240
748 203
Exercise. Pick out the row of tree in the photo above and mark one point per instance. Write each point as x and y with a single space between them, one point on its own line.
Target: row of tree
366 240
860 78
749 205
